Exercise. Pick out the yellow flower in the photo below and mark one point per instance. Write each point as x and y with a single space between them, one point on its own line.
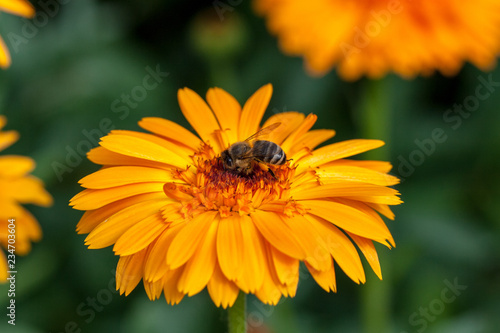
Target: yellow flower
181 222
18 187
16 7
373 37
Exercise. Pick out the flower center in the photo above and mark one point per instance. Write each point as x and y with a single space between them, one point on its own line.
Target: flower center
209 186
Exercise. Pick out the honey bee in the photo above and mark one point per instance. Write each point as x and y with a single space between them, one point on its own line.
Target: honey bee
240 156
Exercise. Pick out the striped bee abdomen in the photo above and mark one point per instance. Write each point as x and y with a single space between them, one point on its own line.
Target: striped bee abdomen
268 152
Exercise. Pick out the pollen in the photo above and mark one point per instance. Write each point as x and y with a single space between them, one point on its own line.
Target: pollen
215 188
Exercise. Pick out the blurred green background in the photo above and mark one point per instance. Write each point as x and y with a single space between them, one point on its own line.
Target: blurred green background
72 71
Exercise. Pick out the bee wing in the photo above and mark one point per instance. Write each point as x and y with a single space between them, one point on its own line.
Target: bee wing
263 132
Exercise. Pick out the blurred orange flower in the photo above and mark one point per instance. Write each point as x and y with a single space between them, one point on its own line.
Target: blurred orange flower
374 37
18 187
16 7
181 221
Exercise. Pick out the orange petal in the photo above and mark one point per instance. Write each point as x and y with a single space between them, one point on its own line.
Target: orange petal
253 110
171 131
7 138
365 208
349 219
155 265
311 140
103 156
227 110
325 279
276 232
156 261
108 232
317 254
254 255
305 126
341 248
27 189
222 291
185 243
92 218
17 7
29 228
381 199
144 149
5 61
15 166
199 115
172 295
153 289
336 188
3 268
286 268
354 173
200 267
382 209
270 292
9 208
93 199
180 150
379 166
129 272
289 123
366 246
140 235
230 247
123 175
337 151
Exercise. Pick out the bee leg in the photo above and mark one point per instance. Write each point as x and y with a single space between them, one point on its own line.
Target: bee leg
272 173
248 171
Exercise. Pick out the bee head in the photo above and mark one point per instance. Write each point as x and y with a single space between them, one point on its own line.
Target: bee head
227 160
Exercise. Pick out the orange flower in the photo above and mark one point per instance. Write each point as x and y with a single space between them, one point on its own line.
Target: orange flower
181 221
16 7
373 37
18 187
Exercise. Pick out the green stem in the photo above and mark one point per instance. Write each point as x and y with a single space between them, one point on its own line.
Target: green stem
375 114
236 315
